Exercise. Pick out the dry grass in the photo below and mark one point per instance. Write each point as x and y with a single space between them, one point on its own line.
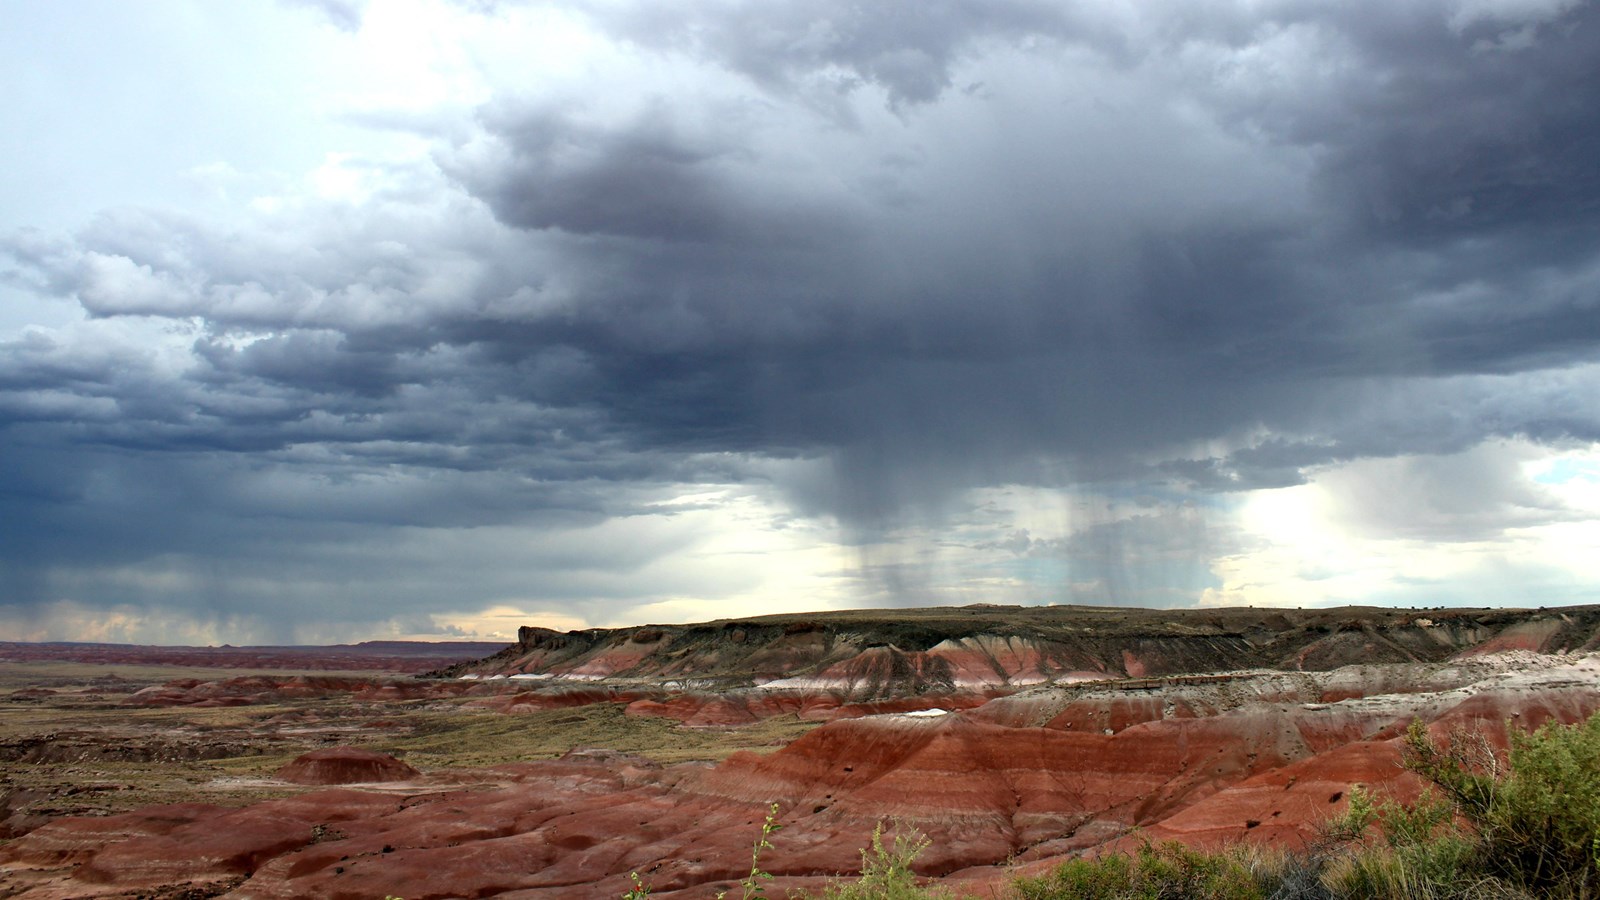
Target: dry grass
81 751
452 739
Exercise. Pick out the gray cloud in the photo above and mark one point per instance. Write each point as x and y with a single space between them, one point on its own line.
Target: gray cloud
1154 552
933 247
1469 496
908 50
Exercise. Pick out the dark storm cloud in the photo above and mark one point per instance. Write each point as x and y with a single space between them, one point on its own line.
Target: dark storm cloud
1463 132
932 246
643 181
1451 230
1146 552
1393 200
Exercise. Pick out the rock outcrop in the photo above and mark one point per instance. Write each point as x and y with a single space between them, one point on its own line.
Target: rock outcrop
345 765
867 654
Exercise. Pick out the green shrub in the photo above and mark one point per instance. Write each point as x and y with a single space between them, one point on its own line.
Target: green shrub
639 891
1168 871
1536 818
1423 854
1105 876
754 884
886 872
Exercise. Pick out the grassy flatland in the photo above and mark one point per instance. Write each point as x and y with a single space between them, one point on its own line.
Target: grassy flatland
442 739
66 674
80 751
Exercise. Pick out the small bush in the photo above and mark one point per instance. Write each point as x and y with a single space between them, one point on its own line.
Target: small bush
1536 818
639 891
754 884
1423 853
1102 877
886 872
1157 872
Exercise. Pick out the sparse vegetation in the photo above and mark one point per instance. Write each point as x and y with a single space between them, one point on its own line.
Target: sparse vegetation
1492 828
1526 825
1168 871
886 871
461 737
1537 820
1523 826
1418 850
639 891
1519 822
754 884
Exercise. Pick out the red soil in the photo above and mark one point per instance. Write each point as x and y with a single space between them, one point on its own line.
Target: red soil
985 786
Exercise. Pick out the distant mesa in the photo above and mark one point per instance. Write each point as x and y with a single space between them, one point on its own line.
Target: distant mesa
869 655
345 765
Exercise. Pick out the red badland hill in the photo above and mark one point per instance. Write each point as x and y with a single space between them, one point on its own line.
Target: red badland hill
1011 738
345 765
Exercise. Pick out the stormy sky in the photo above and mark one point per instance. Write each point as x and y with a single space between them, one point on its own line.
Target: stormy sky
330 320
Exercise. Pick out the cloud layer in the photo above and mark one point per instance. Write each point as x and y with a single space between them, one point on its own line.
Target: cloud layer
618 280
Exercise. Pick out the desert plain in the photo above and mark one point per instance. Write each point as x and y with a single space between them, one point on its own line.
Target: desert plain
564 764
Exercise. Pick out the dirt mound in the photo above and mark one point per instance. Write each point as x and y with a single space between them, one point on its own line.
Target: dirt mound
345 765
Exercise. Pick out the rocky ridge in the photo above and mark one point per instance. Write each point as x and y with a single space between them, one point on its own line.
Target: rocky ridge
866 654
